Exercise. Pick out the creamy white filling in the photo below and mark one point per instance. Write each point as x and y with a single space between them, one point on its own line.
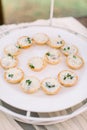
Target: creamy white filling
67 80
36 62
8 61
52 82
16 74
24 41
54 55
74 60
40 37
34 83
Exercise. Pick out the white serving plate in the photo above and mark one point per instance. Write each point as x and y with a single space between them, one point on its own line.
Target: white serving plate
39 102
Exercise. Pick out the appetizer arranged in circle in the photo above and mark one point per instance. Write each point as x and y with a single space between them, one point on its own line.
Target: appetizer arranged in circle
9 61
13 75
56 42
67 78
68 49
12 49
74 61
50 86
53 56
24 42
30 84
36 63
40 38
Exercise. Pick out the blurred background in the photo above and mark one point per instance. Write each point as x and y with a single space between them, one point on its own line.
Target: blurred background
16 11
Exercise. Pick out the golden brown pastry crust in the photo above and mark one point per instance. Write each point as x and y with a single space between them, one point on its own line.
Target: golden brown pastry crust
74 66
41 42
37 69
24 46
30 91
14 81
53 62
67 84
56 46
15 54
49 92
8 67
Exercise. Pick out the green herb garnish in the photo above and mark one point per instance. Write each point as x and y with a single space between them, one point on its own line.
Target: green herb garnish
28 82
10 75
48 54
74 57
31 66
49 85
68 48
60 42
64 78
69 76
64 49
18 46
29 40
10 55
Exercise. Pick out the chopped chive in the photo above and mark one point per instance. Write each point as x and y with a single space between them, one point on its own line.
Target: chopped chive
68 48
71 77
64 78
49 86
48 54
10 55
29 40
31 66
64 49
68 75
28 82
18 46
10 75
74 57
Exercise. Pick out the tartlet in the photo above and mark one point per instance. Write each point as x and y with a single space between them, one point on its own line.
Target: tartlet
36 63
56 42
40 38
14 75
50 86
8 61
67 78
12 49
24 42
69 49
74 61
52 56
30 84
